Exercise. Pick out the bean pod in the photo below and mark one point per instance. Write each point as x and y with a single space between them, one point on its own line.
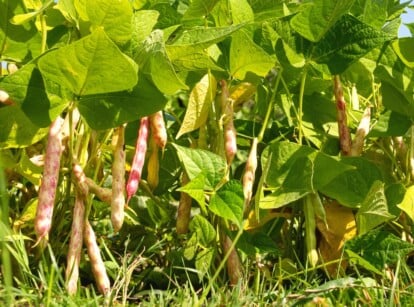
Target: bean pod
47 191
139 158
118 179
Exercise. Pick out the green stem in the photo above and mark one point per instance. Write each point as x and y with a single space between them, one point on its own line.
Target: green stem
220 268
270 107
44 32
6 267
300 112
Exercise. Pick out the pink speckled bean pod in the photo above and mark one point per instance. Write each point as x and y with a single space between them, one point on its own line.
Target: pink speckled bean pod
139 158
158 130
47 191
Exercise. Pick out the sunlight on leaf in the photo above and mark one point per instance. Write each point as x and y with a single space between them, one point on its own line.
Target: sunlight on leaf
407 205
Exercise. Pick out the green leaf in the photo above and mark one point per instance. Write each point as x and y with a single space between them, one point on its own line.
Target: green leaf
92 65
241 12
202 37
395 194
113 109
187 51
257 243
358 260
153 61
318 16
397 83
199 8
113 16
29 170
205 232
228 202
42 101
247 57
17 41
67 9
20 19
404 47
347 41
196 161
17 130
295 171
374 209
351 187
380 248
199 103
390 124
203 261
407 204
195 188
142 24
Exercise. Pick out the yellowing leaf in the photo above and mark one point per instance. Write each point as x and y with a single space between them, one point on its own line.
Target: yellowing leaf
340 227
253 222
199 103
407 205
22 18
242 92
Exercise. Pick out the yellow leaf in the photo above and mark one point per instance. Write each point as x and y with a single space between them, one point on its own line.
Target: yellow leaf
253 222
242 92
340 227
407 205
199 103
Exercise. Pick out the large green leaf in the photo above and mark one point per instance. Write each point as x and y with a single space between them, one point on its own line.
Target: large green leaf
247 57
347 41
196 161
352 187
42 101
228 202
16 41
142 24
380 248
241 12
397 86
199 8
404 47
92 65
113 16
297 170
113 109
187 50
201 37
374 209
153 61
390 124
318 16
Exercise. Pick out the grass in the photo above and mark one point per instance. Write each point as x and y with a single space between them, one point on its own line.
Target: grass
42 283
148 267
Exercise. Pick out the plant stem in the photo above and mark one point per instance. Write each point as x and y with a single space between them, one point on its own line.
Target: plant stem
6 267
44 32
300 112
270 106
